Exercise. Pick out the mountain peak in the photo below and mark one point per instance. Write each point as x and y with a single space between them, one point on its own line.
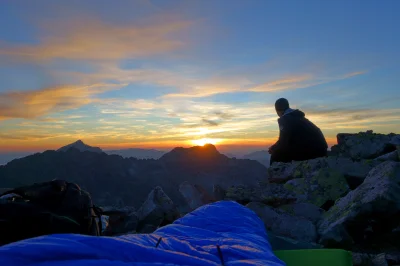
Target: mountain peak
203 153
81 146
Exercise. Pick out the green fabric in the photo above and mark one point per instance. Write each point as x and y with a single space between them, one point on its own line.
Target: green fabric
315 257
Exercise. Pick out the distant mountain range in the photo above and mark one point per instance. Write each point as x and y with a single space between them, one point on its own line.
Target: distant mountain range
138 153
6 157
113 180
261 156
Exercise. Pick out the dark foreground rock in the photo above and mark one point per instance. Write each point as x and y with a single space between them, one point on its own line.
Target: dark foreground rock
157 210
321 188
367 215
354 171
195 195
284 224
365 145
270 194
305 210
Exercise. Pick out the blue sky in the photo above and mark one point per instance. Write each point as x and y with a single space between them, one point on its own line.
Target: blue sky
163 73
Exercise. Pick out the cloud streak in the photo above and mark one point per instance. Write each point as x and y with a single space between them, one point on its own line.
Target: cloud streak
290 82
93 39
37 103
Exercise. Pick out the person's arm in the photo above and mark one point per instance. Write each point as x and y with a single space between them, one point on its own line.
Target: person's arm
282 145
271 149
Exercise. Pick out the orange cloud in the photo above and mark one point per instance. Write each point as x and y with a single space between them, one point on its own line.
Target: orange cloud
33 104
285 84
93 39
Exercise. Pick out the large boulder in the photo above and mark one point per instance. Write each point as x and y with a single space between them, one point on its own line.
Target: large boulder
284 224
367 215
322 188
157 210
365 145
269 194
305 210
219 193
282 172
381 259
391 156
354 171
195 195
398 152
119 220
285 243
121 223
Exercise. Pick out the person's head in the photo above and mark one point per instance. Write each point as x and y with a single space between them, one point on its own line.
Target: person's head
281 105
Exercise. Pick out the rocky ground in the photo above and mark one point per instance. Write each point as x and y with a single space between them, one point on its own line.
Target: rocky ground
348 200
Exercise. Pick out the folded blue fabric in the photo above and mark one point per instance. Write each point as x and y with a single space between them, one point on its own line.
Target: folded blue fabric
221 233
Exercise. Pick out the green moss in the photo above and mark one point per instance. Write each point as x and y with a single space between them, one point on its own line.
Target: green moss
368 161
297 173
289 186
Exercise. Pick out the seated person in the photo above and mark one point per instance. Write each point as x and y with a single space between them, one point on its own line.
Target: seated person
299 138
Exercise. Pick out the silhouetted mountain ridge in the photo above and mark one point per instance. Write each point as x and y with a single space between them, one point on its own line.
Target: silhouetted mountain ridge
138 153
112 179
203 153
79 145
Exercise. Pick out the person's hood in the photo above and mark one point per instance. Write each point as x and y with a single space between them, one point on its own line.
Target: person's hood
293 112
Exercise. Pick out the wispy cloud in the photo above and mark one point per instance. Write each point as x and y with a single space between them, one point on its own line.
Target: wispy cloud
36 103
290 82
284 84
93 39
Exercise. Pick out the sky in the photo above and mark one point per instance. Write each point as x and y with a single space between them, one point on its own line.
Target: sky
160 74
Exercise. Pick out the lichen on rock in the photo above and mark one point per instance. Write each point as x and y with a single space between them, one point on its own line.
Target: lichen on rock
365 213
326 185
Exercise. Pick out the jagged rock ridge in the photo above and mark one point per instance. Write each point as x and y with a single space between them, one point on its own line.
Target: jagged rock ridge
80 146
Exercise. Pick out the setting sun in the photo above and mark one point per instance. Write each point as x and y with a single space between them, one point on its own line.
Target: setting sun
204 141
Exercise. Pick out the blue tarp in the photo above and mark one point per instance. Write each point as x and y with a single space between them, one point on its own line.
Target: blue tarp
191 240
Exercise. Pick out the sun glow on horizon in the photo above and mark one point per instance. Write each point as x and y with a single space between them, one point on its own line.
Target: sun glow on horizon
204 141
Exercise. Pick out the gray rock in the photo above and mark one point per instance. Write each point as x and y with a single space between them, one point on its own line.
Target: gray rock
391 156
276 195
191 195
393 257
398 152
361 259
325 185
380 260
305 210
285 243
148 229
395 139
338 237
369 211
120 223
157 209
354 171
269 194
284 224
195 196
218 192
282 172
364 145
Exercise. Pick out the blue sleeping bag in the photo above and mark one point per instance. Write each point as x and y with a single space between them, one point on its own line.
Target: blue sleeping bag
222 233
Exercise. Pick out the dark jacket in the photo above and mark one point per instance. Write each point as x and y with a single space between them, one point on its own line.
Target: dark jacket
299 139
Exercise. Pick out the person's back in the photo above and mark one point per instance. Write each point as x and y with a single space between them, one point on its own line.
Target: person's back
299 138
